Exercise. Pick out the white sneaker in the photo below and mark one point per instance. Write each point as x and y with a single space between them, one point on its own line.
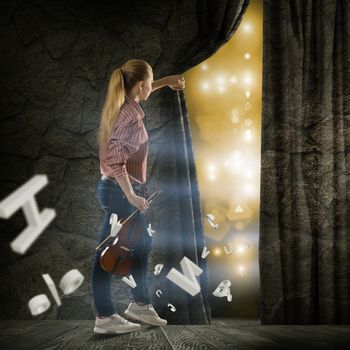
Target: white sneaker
144 313
114 324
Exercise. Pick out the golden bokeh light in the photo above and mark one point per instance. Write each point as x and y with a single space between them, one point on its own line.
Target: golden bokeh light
224 101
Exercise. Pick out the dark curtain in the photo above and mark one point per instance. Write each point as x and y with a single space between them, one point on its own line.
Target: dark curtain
216 23
56 58
305 183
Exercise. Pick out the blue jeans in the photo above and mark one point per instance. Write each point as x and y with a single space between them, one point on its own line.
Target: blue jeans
113 200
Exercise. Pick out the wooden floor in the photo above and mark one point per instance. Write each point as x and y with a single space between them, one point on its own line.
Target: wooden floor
221 334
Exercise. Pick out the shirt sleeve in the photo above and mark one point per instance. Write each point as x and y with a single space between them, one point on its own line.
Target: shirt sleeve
122 144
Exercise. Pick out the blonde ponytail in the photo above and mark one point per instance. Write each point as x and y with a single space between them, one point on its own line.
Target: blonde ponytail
121 82
114 100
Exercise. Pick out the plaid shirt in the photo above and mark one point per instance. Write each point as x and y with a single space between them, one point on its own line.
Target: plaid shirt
127 149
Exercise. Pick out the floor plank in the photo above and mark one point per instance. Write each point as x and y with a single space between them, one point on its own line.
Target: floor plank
222 340
31 336
149 337
302 336
106 342
100 341
222 334
73 340
252 340
182 338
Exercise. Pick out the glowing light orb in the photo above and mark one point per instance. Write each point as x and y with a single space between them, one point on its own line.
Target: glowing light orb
248 122
217 251
221 89
220 79
205 86
233 79
248 135
247 79
247 27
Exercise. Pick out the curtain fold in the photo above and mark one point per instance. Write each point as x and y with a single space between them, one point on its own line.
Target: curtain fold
216 22
176 171
304 250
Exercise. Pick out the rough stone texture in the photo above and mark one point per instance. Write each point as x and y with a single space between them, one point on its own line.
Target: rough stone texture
305 163
55 61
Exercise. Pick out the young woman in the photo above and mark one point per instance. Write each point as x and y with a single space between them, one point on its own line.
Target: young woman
123 142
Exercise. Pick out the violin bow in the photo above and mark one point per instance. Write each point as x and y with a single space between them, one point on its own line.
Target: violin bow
149 200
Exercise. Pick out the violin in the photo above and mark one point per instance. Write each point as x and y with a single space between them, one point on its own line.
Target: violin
116 257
